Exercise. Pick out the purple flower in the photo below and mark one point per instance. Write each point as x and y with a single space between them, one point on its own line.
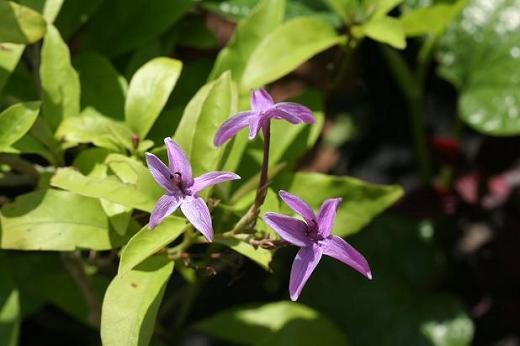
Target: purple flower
263 109
181 189
314 237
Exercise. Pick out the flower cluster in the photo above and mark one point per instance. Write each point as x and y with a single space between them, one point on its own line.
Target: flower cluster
313 234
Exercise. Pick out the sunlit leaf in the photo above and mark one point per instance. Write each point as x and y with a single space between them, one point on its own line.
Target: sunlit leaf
20 24
147 242
15 121
148 92
266 16
204 114
109 188
287 47
55 220
60 82
48 8
430 20
383 29
281 323
90 127
240 244
131 303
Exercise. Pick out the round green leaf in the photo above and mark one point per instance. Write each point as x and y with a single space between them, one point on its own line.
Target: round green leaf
480 54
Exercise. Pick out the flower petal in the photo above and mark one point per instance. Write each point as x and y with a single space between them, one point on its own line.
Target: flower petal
288 228
304 264
298 205
279 114
231 126
166 205
261 100
197 213
327 215
302 112
212 178
160 172
179 163
255 124
339 249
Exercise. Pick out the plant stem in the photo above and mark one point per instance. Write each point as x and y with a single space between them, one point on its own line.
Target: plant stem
261 192
412 89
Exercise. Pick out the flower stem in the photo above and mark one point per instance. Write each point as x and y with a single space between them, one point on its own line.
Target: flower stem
248 221
412 88
261 192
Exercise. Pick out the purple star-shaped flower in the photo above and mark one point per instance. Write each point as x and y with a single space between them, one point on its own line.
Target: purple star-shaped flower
181 189
315 238
263 109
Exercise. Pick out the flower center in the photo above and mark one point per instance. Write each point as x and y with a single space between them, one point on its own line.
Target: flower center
312 233
176 179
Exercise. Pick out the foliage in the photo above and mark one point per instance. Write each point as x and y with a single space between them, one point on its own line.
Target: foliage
88 87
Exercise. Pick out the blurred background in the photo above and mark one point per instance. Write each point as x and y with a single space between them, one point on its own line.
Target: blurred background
423 94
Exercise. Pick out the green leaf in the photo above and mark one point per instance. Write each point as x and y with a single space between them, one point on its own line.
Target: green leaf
120 26
361 201
444 313
404 261
20 24
131 171
55 220
9 310
266 16
102 87
384 6
10 54
480 55
132 301
343 8
204 114
109 188
281 323
74 14
147 242
148 92
90 127
240 244
89 159
48 8
430 20
383 29
15 121
286 48
60 82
